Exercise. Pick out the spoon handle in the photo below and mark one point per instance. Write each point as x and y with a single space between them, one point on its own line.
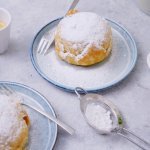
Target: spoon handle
66 127
133 141
130 132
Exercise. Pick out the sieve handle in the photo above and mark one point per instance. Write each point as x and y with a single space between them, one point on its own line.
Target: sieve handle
130 132
133 141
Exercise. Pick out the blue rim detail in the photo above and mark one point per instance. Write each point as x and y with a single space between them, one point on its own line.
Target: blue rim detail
70 89
43 98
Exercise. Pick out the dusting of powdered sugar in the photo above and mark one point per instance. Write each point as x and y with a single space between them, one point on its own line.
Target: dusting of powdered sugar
92 77
10 127
65 54
84 27
83 30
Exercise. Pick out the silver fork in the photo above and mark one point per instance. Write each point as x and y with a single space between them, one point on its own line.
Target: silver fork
5 90
47 40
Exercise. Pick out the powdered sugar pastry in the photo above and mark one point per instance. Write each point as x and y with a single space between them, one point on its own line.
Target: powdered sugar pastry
84 27
83 30
10 127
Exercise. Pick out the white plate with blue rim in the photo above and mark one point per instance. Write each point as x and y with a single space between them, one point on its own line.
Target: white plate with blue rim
42 132
94 78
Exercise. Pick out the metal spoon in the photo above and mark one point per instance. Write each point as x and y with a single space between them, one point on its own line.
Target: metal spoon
6 90
115 116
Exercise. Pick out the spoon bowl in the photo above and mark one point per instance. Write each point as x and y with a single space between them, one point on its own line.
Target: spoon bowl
115 116
107 105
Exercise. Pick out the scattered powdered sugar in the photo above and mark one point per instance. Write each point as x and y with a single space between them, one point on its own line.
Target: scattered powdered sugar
84 27
10 127
93 77
99 117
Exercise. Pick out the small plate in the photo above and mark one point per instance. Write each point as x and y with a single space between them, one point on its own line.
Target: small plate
94 78
42 133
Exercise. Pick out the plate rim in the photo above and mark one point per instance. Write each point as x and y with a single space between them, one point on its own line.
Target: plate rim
43 98
70 89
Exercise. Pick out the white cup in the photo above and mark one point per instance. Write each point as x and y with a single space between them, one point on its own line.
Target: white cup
5 17
144 5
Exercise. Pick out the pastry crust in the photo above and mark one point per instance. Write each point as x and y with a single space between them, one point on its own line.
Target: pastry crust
87 47
14 124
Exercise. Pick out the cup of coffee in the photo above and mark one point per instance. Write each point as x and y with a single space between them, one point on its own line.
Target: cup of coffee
5 23
144 5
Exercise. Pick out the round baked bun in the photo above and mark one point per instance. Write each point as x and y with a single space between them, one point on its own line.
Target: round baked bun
83 38
14 124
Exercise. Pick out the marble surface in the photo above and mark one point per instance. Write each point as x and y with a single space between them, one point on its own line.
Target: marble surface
132 96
